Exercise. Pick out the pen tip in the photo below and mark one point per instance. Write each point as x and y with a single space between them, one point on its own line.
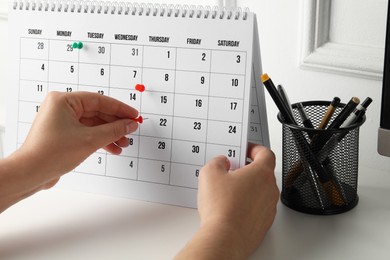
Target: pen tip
264 77
335 101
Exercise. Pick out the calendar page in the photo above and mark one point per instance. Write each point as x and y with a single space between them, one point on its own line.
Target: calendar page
189 71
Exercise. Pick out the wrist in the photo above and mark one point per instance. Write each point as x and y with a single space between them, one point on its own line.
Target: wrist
225 236
215 240
19 178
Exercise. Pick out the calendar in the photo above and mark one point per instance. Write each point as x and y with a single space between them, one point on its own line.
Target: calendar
192 71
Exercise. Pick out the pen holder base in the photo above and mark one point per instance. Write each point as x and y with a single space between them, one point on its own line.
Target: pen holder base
320 167
292 199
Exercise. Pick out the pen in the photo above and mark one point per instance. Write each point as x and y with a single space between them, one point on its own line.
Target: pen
359 111
305 119
302 144
285 98
345 112
284 111
355 117
329 112
297 168
335 139
319 142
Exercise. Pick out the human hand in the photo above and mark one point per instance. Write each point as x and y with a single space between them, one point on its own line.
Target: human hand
236 208
67 129
71 126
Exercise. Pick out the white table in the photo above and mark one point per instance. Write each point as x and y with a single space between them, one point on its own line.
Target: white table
63 224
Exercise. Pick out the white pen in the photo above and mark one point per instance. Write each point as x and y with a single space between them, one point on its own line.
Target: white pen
360 109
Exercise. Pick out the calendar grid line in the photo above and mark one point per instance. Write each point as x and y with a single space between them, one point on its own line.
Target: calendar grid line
140 108
243 112
139 67
109 89
173 117
255 86
78 69
208 108
185 140
70 40
18 109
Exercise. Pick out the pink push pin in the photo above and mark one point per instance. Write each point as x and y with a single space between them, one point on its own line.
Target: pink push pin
140 87
139 119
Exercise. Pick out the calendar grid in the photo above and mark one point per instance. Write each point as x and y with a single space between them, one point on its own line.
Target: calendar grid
101 156
199 98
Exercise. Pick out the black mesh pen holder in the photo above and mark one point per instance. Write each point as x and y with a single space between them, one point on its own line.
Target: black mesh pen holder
320 166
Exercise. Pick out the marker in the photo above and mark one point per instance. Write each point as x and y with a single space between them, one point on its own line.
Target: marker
77 45
329 112
140 87
358 113
284 111
285 98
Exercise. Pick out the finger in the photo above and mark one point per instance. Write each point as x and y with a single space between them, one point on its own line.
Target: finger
105 134
263 161
113 149
123 142
260 153
86 102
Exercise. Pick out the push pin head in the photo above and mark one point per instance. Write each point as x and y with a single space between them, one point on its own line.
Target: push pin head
77 45
139 119
140 87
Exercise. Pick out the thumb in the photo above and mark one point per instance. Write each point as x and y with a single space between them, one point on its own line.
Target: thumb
110 132
216 166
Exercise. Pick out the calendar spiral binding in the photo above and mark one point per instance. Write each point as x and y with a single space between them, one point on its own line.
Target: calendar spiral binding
126 8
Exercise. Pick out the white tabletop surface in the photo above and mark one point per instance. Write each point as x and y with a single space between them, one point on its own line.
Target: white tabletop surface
63 224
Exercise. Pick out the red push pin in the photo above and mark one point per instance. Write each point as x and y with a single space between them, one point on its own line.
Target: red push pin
140 87
139 119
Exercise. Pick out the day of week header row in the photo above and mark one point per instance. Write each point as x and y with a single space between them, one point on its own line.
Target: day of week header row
134 37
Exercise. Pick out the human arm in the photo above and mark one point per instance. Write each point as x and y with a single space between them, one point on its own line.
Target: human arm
67 129
236 208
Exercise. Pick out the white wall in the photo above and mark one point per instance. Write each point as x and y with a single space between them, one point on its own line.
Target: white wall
3 70
280 30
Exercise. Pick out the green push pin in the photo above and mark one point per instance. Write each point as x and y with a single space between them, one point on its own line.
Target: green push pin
77 45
